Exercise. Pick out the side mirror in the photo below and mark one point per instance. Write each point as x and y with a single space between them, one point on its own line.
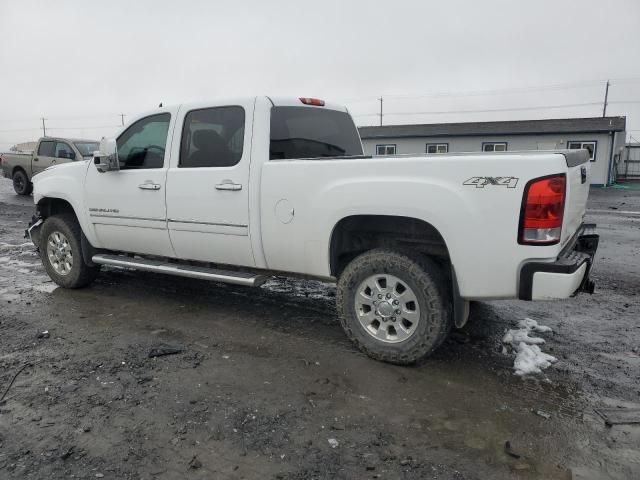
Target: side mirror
106 159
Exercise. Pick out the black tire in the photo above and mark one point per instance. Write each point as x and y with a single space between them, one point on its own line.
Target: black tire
427 283
79 274
21 183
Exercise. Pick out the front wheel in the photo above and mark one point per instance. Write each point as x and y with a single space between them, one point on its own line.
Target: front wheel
21 183
395 306
61 252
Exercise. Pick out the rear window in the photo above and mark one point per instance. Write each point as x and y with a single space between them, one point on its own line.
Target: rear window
304 132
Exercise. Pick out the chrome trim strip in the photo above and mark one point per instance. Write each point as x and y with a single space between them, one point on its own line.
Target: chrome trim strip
209 223
123 217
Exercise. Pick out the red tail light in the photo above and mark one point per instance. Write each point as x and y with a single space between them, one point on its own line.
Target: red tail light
542 211
316 102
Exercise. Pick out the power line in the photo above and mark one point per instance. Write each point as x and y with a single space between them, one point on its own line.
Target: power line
514 109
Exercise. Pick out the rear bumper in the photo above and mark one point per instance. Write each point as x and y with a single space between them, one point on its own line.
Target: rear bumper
565 277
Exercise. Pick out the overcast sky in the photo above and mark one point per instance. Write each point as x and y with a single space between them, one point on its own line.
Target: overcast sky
81 63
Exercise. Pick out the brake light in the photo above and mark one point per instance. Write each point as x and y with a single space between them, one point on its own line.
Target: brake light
316 102
542 211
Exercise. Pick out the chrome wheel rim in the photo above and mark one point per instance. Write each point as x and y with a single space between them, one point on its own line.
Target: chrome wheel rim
18 182
387 308
59 253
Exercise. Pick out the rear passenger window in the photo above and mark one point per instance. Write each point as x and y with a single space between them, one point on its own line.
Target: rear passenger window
212 137
47 149
309 132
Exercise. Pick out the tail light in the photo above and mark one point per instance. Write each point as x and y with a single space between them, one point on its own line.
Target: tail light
316 102
542 211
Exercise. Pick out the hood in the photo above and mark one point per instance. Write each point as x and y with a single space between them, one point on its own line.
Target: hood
67 167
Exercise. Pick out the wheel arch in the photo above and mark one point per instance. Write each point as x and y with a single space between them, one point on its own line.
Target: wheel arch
355 234
18 168
49 206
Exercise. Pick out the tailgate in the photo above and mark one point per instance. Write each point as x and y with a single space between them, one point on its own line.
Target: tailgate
578 182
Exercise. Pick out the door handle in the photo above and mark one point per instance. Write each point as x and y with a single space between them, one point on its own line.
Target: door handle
228 186
149 186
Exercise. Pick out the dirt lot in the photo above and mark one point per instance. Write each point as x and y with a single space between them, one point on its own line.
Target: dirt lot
268 387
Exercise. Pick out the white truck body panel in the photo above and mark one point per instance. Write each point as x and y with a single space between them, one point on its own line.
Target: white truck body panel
284 212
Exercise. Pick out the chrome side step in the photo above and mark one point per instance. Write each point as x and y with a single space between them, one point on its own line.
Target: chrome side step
190 271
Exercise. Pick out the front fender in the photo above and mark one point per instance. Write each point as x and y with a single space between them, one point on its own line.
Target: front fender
65 182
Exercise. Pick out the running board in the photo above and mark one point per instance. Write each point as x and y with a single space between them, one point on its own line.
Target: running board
190 271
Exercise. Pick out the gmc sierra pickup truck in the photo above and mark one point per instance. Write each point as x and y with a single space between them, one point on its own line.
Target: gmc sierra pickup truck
21 167
238 190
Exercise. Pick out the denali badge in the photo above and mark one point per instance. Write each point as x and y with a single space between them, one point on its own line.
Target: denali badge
480 182
104 210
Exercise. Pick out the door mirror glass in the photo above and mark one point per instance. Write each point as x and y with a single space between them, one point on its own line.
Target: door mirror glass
106 159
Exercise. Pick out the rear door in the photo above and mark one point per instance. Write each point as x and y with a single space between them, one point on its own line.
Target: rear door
127 206
44 156
208 183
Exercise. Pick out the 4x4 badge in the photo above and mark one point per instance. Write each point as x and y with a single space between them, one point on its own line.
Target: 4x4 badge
481 182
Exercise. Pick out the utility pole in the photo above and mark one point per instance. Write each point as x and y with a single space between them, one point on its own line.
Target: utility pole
122 115
44 128
381 100
606 96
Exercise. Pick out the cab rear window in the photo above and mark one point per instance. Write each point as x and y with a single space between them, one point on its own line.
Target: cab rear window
306 132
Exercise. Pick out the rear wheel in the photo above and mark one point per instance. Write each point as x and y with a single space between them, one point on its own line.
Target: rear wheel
21 183
395 306
61 252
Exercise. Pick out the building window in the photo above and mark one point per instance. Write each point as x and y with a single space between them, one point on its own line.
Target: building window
385 149
494 146
590 146
437 147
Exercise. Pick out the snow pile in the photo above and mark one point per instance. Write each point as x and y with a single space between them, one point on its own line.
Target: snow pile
529 357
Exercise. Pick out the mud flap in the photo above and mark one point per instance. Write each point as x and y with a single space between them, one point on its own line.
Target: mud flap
33 232
460 305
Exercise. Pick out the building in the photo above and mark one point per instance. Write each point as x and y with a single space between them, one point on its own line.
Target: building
604 137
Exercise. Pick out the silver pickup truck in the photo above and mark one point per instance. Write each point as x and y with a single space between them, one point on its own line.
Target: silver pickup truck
21 167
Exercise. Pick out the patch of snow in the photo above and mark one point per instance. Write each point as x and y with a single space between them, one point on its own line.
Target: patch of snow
45 288
531 324
529 357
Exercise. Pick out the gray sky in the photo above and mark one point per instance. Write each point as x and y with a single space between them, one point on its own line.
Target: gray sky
81 63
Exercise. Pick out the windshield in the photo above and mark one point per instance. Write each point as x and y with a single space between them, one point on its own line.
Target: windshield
86 149
303 132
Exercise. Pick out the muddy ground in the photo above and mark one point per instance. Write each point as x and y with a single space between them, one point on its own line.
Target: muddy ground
268 386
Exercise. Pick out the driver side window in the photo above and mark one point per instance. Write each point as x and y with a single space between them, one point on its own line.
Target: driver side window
142 145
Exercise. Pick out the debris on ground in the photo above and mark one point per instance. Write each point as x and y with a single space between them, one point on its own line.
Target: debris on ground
164 349
13 380
543 414
509 450
619 416
44 334
195 464
333 443
529 357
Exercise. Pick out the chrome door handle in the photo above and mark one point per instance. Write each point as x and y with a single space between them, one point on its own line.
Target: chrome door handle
149 186
228 186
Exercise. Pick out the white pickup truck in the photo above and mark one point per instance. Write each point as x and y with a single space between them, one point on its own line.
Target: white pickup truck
238 190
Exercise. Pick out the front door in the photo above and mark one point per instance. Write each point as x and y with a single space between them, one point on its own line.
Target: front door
127 206
208 185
